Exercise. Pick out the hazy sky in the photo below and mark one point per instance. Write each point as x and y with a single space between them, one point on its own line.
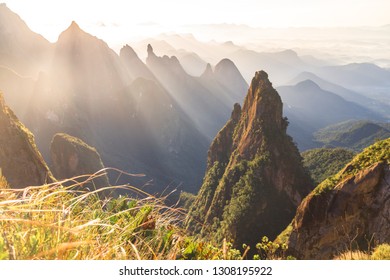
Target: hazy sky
109 18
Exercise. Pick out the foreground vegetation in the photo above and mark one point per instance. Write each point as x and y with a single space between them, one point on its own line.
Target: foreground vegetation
57 222
68 223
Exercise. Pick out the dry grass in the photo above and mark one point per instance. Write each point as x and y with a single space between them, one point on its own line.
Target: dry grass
57 222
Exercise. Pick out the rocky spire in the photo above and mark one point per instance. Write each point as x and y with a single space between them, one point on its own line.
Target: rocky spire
255 178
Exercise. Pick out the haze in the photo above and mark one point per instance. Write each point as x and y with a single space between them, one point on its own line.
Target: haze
107 19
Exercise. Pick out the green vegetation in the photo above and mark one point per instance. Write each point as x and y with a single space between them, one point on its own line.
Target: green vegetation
355 135
323 163
56 222
382 252
3 181
186 200
378 152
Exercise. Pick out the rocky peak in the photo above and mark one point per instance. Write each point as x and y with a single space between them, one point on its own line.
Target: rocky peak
128 52
150 50
72 157
348 211
20 161
208 72
253 169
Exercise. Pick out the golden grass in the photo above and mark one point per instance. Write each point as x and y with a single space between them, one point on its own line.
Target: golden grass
57 222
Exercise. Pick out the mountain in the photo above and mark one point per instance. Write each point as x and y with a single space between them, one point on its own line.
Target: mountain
282 66
254 179
347 211
72 157
95 95
206 105
365 78
355 135
310 108
347 94
20 161
21 49
135 67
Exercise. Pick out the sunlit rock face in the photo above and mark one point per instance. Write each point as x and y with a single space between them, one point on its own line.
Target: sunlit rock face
255 178
350 214
20 161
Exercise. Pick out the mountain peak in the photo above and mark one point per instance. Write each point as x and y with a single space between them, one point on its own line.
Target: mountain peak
264 97
150 50
128 51
74 25
308 85
208 72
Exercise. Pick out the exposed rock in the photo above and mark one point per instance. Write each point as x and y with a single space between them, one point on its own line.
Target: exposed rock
72 157
20 161
351 213
255 178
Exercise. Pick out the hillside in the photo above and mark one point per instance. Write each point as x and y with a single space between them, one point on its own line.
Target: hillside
325 162
20 161
345 212
354 135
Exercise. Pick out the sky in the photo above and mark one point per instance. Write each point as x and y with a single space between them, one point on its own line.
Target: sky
110 19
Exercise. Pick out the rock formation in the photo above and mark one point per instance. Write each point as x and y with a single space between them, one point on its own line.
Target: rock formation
72 157
348 211
254 179
20 161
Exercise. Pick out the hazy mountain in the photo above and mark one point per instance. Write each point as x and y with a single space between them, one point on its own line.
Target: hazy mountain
254 178
207 108
366 78
347 94
89 93
282 66
312 108
21 49
134 65
18 90
20 161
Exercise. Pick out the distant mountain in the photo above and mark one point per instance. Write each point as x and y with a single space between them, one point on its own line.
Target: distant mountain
95 95
21 49
346 211
205 103
362 77
282 66
20 161
355 135
310 108
347 94
254 178
135 67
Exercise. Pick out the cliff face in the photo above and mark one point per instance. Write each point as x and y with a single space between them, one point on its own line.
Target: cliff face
72 157
254 179
350 210
20 161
